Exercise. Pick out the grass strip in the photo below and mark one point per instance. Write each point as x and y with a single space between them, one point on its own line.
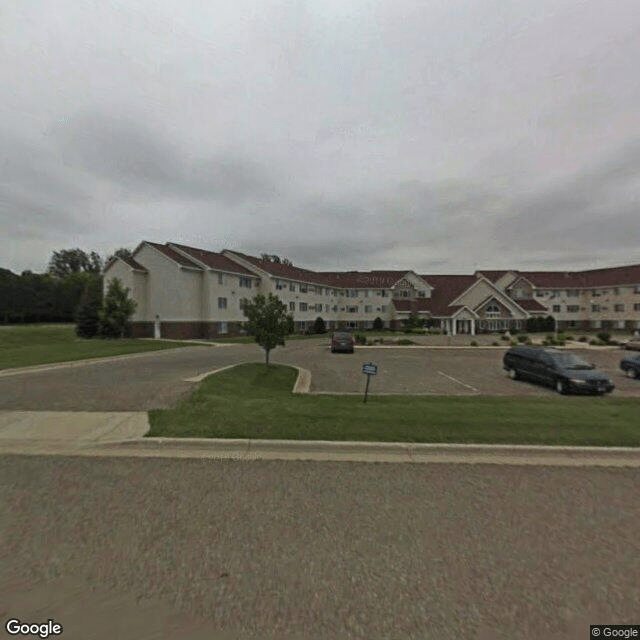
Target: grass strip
23 346
255 401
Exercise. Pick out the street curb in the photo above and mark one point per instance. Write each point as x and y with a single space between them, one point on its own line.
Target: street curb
348 451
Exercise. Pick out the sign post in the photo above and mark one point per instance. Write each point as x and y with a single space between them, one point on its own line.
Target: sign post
369 369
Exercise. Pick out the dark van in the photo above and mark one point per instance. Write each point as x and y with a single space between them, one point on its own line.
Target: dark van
565 371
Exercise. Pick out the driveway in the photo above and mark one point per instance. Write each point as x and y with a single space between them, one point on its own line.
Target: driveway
159 379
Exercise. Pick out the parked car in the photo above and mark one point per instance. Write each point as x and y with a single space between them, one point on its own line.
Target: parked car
631 365
342 341
565 371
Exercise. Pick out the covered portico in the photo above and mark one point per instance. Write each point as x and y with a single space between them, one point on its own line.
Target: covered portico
462 322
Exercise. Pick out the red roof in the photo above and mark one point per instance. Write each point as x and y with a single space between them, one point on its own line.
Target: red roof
445 290
363 279
607 277
213 260
494 276
132 263
529 304
173 255
280 270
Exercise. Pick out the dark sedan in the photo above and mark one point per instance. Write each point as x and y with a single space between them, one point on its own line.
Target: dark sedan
342 341
631 365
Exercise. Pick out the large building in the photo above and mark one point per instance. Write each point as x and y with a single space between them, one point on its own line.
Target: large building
184 292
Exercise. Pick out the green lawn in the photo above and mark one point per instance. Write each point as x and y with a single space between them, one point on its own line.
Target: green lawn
25 345
255 401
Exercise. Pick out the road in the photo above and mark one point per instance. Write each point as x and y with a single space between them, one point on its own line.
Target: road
275 549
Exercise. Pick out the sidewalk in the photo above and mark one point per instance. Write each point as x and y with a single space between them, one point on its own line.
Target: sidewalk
120 434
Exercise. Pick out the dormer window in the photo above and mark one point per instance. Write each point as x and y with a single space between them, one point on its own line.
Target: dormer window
492 311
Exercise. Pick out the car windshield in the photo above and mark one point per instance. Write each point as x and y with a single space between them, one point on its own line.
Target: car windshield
341 336
571 361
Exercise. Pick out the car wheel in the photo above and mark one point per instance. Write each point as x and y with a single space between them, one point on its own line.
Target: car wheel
632 373
561 387
513 374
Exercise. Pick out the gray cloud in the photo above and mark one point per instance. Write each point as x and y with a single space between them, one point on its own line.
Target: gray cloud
342 135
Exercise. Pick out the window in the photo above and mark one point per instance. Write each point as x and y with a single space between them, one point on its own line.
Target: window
540 294
327 292
319 308
220 278
636 289
618 307
292 287
492 311
556 308
595 308
422 294
303 306
365 293
573 308
334 308
383 293
596 324
303 288
279 285
383 308
222 303
223 328
619 324
367 308
636 306
352 309
616 291
326 308
292 306
242 302
245 282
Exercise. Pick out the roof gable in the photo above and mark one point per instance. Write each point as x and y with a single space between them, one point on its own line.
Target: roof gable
211 259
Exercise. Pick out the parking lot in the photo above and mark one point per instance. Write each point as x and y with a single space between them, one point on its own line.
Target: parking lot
159 379
455 371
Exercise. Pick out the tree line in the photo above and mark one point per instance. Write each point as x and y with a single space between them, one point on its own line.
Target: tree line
72 277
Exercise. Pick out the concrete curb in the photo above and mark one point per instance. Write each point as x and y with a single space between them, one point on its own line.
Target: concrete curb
247 449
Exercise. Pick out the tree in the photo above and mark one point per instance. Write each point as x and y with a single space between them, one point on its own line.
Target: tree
68 261
319 326
378 325
88 312
116 311
122 252
268 321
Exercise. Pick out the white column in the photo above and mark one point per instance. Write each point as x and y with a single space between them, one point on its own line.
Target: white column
453 326
473 327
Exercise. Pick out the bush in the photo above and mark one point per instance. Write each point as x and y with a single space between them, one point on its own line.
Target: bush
319 326
596 343
378 325
495 344
569 337
474 343
505 338
604 336
514 343
404 342
583 339
523 337
360 339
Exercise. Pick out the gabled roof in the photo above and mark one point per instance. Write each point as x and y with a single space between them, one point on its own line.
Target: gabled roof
363 279
172 254
607 277
281 270
134 264
445 290
213 260
529 304
493 276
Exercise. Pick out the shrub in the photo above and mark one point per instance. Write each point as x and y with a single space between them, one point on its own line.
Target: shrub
404 342
505 338
596 343
523 337
569 337
583 339
319 326
604 336
514 343
495 344
360 339
474 343
378 325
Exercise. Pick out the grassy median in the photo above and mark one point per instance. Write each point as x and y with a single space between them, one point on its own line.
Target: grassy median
255 401
26 345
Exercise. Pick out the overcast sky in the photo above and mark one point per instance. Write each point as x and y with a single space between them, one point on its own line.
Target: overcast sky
434 135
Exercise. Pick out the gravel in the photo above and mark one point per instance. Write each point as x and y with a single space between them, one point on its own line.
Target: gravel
285 549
